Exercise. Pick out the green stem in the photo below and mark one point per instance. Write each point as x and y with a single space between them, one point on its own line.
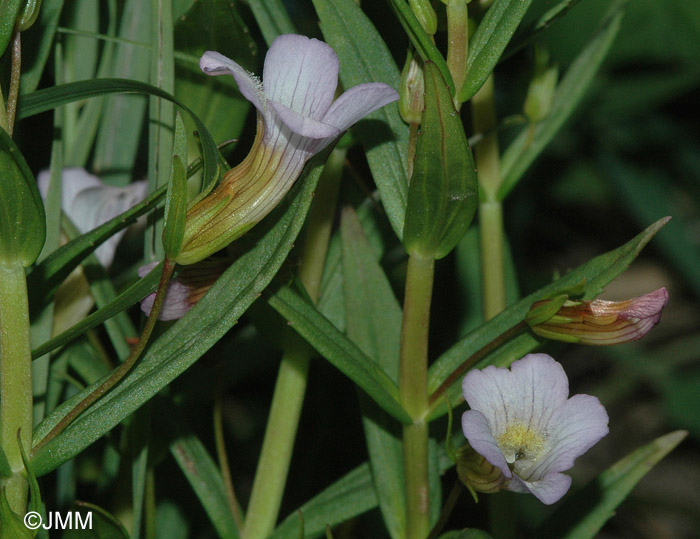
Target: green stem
490 209
15 72
285 409
457 44
413 389
124 368
15 379
223 459
492 258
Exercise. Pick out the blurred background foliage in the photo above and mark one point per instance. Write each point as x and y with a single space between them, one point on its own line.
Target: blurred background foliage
630 155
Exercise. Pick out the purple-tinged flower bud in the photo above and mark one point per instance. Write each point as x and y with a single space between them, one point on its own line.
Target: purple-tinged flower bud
185 290
600 322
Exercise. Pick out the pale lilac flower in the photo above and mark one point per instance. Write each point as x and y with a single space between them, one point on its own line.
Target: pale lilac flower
297 118
524 423
89 203
602 322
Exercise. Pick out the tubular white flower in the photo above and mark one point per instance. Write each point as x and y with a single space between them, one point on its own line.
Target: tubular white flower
522 421
89 203
297 118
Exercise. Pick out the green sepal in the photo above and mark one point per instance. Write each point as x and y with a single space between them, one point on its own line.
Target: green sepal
12 525
22 217
28 15
5 468
545 310
9 10
442 196
34 492
176 199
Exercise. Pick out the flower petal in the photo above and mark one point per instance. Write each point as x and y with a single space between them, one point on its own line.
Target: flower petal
358 102
214 63
176 302
301 74
576 427
90 203
304 125
550 489
529 393
479 435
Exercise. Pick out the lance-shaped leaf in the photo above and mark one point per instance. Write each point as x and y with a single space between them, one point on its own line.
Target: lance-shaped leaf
442 197
489 41
22 218
584 513
9 9
176 199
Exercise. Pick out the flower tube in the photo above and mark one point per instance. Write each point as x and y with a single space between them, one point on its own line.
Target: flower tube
297 118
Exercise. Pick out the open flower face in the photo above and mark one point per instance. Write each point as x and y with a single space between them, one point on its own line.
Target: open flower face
523 422
297 118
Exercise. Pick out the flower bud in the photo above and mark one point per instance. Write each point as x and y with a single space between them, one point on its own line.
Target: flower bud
598 322
477 473
411 90
425 14
543 86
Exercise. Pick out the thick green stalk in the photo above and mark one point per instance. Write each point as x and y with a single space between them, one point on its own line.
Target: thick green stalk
15 379
457 43
413 388
285 409
490 208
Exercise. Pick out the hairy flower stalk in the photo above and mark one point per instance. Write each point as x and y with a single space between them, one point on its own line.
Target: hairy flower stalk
297 118
523 422
600 322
